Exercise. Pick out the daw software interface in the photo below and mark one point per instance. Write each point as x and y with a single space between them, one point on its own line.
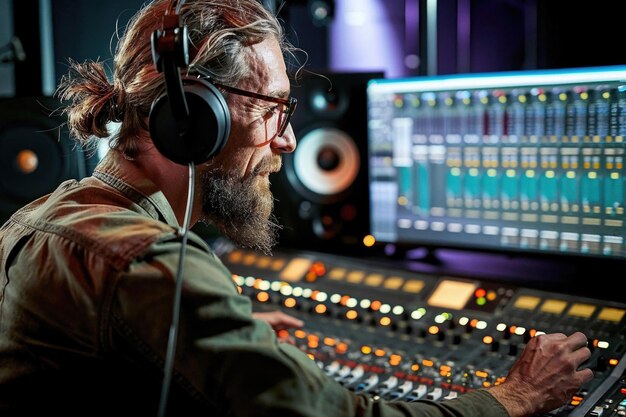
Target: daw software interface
527 161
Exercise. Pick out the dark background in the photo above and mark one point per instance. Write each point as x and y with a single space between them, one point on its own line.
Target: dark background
394 36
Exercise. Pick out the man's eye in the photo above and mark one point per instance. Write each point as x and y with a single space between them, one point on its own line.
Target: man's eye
270 112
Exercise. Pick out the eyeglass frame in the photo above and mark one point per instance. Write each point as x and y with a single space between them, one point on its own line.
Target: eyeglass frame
290 102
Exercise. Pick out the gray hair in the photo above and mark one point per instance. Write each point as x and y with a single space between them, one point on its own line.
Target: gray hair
219 33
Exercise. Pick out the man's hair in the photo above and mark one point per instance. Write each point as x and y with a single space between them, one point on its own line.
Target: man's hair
219 33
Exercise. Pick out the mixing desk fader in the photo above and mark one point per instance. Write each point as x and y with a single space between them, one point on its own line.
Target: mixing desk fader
402 335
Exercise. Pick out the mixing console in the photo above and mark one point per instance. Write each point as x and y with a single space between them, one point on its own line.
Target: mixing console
401 335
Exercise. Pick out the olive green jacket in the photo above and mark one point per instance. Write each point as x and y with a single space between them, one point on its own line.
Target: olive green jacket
86 284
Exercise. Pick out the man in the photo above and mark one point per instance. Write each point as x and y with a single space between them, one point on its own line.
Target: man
88 273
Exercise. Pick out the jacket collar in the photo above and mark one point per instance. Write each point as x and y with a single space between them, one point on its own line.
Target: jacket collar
122 174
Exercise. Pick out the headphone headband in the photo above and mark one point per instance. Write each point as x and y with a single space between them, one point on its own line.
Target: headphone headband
191 121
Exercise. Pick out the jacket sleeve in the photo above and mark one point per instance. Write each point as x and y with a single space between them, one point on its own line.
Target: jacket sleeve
235 362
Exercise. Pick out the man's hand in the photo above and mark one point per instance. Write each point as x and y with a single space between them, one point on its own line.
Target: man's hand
546 375
278 320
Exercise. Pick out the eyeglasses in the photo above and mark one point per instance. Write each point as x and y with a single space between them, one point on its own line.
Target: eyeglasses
284 116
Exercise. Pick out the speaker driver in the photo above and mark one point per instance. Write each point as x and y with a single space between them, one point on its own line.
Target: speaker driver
326 163
322 197
31 163
36 153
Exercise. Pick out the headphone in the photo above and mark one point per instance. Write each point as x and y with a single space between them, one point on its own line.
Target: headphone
190 121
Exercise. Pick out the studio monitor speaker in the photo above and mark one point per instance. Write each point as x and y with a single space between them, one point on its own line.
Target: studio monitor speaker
36 153
322 198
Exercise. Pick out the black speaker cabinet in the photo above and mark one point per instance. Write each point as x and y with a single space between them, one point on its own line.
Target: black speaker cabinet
321 192
36 153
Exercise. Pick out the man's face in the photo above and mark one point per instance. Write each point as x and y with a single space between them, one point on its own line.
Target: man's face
235 184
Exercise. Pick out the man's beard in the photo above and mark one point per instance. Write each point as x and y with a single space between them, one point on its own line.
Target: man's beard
239 209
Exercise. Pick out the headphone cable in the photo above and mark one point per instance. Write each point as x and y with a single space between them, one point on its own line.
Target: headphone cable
173 333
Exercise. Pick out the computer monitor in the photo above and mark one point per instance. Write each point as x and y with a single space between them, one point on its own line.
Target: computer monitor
528 161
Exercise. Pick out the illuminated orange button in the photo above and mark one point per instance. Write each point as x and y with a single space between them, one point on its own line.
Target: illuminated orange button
235 257
369 241
318 268
278 264
320 309
249 259
337 273
395 359
481 374
264 262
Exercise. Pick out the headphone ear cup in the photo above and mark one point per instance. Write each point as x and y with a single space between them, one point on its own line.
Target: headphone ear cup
209 124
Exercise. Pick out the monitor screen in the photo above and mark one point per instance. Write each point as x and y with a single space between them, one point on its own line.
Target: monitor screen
529 161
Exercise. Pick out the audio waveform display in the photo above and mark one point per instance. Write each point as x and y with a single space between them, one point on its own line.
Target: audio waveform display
530 161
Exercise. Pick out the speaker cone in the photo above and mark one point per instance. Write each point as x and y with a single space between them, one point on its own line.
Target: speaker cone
325 164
